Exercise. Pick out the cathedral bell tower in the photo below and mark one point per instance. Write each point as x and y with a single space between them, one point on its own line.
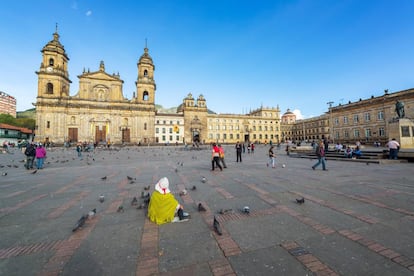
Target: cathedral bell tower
145 82
53 76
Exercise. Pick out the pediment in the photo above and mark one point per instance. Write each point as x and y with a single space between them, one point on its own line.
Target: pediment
99 75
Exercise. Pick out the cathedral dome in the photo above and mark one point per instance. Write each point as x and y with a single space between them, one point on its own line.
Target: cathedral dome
180 108
288 112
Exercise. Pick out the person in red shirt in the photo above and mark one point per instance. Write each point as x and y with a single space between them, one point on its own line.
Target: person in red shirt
221 155
215 157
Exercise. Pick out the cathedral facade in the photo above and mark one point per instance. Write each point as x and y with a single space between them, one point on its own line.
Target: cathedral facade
100 113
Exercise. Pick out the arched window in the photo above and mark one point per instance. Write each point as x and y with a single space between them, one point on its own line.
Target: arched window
145 126
145 96
49 88
51 62
145 73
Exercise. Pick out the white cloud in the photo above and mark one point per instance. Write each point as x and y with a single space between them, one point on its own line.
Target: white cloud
298 114
89 13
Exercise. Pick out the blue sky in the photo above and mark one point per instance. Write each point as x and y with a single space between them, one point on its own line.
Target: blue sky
238 54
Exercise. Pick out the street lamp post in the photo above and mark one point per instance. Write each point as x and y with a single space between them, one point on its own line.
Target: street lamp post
330 121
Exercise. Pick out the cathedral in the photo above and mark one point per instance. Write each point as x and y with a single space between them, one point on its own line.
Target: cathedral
100 113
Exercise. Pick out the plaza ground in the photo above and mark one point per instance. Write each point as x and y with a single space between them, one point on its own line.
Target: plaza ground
357 219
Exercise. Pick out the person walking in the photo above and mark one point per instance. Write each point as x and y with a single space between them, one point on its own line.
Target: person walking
394 147
79 150
221 156
40 156
320 152
215 157
30 153
238 151
272 157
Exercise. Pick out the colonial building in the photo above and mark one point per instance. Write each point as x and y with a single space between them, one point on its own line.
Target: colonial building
14 134
311 129
99 112
369 120
366 120
169 128
287 124
7 104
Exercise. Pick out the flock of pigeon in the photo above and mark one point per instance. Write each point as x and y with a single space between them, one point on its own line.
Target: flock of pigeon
145 196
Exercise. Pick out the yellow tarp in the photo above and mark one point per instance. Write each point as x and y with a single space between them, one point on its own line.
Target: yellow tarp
161 208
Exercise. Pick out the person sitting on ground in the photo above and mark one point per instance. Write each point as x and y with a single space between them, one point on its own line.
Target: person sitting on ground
338 147
348 152
357 152
163 207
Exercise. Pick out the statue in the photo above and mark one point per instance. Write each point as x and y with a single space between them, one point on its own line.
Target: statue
399 108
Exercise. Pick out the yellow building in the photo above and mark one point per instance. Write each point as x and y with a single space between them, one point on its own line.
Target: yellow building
367 121
99 112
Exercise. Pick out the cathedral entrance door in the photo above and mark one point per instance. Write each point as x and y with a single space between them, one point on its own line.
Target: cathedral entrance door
126 135
196 136
100 134
73 134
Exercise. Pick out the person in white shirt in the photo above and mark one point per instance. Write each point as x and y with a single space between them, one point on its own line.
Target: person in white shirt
394 147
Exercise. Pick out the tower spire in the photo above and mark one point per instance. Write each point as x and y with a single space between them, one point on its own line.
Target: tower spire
56 27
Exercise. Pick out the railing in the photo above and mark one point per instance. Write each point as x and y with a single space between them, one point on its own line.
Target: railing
13 136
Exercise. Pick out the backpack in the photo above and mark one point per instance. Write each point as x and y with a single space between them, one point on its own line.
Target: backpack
30 151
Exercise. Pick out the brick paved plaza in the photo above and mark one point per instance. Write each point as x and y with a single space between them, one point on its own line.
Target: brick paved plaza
357 219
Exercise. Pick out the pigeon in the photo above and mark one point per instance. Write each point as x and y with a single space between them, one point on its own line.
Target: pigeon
183 192
4 174
176 170
147 188
131 182
201 208
134 201
194 188
35 171
224 211
217 226
131 178
300 200
80 223
104 178
145 195
92 213
147 201
101 198
120 209
203 179
246 210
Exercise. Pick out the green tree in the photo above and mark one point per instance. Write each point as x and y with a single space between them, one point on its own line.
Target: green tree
19 122
7 119
26 122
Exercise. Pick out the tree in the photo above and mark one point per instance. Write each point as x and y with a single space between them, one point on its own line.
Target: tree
7 119
19 122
